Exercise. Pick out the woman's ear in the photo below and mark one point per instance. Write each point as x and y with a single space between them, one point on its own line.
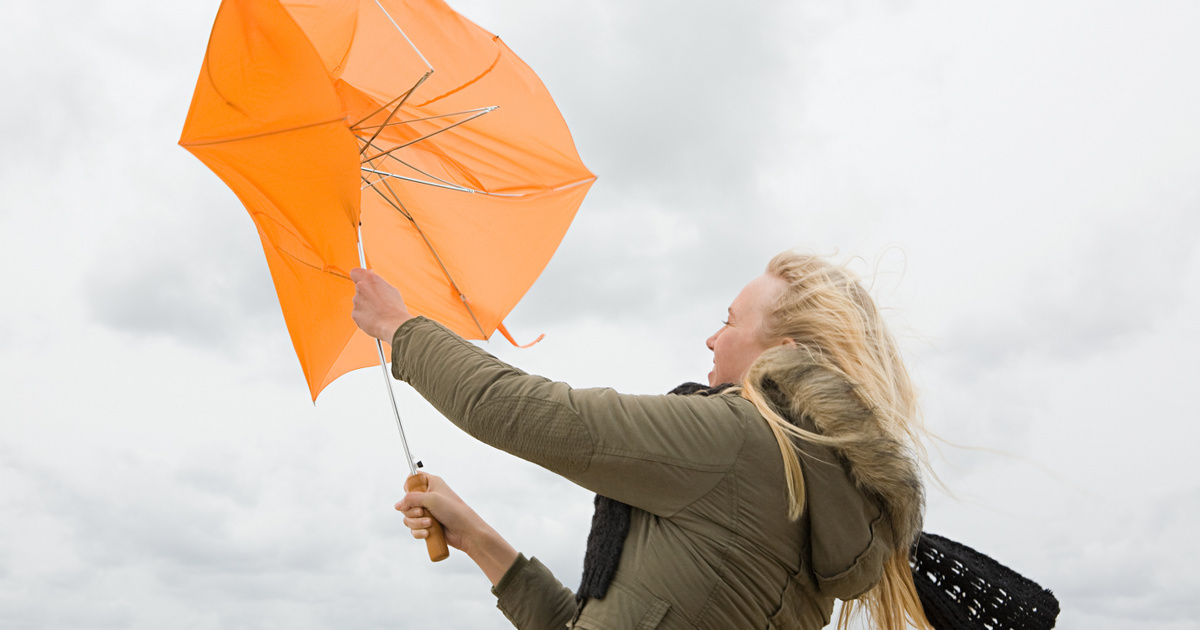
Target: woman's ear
787 341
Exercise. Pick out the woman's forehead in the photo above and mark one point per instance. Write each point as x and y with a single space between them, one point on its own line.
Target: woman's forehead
758 294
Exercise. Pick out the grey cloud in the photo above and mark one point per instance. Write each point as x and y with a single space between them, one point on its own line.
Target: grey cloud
665 97
149 541
92 72
677 108
179 543
191 279
192 302
1094 295
632 260
1145 557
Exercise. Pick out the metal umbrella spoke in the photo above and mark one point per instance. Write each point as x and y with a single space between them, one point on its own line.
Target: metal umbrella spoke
401 100
431 134
361 127
393 200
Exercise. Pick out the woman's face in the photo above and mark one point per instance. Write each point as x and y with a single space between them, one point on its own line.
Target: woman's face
739 342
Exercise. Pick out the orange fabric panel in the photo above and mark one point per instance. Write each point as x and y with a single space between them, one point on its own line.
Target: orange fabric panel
289 95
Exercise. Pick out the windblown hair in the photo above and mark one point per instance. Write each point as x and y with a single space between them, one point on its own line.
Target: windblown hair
837 335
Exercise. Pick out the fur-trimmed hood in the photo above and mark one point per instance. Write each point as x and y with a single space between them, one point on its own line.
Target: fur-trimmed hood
821 399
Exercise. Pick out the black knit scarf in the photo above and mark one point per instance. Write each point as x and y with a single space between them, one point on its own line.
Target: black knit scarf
959 588
962 588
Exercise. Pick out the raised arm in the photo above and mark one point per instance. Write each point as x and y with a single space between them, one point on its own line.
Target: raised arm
658 453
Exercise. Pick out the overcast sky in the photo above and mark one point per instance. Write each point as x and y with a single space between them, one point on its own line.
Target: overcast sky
1019 182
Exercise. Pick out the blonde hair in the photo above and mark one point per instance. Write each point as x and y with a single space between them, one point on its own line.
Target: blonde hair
831 324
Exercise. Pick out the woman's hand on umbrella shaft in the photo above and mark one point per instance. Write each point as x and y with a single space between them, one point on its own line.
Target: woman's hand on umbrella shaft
378 307
465 530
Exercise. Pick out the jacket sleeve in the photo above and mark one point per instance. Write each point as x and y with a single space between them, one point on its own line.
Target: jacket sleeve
532 598
657 453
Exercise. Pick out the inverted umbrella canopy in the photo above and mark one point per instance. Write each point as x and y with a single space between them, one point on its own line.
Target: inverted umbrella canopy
400 116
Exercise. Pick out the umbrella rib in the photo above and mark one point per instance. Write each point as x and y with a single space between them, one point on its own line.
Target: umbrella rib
458 188
410 43
388 104
430 135
394 111
401 210
399 206
444 184
263 216
266 133
447 186
581 182
383 126
300 260
405 122
452 185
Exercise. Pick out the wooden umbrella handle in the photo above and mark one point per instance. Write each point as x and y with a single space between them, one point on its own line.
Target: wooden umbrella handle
436 543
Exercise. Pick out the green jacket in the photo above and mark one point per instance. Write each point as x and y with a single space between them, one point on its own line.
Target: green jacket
710 544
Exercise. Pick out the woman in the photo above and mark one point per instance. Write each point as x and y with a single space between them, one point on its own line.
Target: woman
752 506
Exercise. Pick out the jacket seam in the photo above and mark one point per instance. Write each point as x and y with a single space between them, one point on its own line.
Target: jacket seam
728 471
657 458
733 529
652 457
726 549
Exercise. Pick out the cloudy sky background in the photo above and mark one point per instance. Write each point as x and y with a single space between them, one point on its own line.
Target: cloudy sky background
1019 183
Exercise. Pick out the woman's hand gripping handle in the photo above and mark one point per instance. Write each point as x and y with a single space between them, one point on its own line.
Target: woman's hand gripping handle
435 534
464 529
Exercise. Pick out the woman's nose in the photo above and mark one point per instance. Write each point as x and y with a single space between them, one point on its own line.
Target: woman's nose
712 340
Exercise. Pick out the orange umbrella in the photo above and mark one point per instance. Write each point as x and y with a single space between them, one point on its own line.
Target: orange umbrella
393 134
400 116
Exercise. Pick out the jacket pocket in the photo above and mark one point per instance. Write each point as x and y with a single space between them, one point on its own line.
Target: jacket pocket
623 608
654 614
800 608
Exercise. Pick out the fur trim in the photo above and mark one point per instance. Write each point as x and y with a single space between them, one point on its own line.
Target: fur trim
881 466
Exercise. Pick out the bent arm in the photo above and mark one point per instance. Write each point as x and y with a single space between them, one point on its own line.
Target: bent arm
465 529
658 453
526 592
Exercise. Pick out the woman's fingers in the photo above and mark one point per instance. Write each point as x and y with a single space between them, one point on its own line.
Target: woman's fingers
416 501
418 523
416 520
378 307
415 516
439 502
412 512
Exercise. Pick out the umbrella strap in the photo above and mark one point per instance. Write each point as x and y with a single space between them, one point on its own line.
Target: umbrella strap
504 331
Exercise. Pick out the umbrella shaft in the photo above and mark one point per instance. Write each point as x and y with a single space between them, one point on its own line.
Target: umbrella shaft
387 376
